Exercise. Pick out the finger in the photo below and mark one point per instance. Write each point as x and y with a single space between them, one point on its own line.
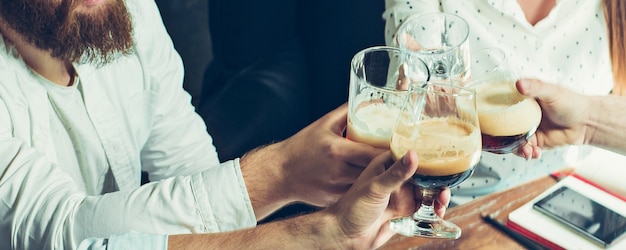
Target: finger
537 89
403 200
536 152
442 202
398 173
409 42
528 151
525 151
336 119
403 81
377 166
359 154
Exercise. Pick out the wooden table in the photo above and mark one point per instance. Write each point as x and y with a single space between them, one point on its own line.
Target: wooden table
477 234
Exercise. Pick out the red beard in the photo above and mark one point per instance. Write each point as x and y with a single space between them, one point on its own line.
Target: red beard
98 37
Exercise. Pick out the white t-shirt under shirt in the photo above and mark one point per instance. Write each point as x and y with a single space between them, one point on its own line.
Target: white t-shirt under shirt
72 128
568 47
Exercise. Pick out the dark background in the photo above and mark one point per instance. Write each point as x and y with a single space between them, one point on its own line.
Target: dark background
331 32
306 44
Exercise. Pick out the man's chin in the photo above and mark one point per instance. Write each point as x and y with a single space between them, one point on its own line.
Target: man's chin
99 60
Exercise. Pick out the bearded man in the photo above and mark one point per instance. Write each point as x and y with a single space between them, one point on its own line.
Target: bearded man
91 95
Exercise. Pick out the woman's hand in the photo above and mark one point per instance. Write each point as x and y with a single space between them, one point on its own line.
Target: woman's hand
565 115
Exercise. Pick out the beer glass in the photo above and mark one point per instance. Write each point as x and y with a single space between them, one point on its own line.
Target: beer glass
379 79
507 118
440 123
441 41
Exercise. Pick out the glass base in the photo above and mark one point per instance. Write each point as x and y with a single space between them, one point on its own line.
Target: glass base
437 228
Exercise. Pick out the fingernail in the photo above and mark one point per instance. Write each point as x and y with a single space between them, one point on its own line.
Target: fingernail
405 159
443 205
524 83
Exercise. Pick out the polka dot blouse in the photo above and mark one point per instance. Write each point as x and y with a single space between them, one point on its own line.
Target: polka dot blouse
568 47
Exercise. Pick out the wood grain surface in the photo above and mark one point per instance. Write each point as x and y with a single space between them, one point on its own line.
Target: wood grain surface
477 234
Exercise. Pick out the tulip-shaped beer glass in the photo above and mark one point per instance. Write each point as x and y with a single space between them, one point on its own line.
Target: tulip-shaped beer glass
440 123
507 118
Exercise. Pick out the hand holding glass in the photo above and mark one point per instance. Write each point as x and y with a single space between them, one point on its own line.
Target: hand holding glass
440 123
507 118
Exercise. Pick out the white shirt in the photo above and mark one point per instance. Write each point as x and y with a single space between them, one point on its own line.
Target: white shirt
568 47
136 116
72 128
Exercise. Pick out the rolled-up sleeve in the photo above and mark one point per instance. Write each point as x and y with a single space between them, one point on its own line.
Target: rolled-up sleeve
129 241
223 198
43 208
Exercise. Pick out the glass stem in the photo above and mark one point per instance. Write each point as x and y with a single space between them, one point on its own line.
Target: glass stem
427 208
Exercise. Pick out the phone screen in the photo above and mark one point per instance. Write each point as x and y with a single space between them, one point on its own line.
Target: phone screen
597 222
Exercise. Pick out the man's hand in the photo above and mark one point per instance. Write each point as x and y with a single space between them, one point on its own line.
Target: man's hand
317 166
359 220
380 194
322 164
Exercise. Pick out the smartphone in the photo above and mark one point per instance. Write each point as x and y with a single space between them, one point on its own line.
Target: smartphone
589 218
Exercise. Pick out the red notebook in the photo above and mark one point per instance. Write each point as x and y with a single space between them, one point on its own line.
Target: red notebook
539 226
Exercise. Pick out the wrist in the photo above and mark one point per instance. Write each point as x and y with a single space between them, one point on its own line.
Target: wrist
262 171
605 122
324 227
311 231
590 124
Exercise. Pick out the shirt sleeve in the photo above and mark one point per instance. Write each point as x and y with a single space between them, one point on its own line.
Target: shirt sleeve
398 11
129 241
42 208
46 210
179 144
191 191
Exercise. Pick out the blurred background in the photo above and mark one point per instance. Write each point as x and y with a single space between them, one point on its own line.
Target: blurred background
331 32
259 71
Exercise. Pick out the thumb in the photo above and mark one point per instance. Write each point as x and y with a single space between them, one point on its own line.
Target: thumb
537 89
399 172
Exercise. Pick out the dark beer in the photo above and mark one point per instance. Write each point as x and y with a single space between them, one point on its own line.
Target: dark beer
440 182
507 118
448 150
441 127
505 144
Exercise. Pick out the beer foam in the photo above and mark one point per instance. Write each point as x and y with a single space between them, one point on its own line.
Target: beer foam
445 146
502 111
372 124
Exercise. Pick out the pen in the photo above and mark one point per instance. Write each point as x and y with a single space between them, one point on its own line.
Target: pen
525 241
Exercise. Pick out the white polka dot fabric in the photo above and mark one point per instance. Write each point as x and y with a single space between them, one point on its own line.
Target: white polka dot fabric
568 47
